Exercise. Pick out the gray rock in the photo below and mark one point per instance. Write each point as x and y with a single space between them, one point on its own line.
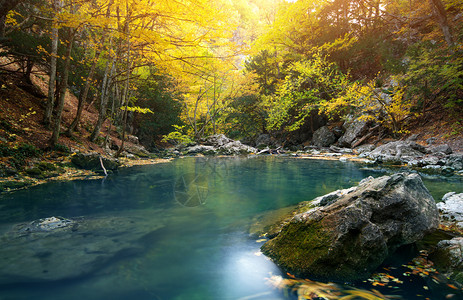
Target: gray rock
341 150
323 137
398 151
431 140
91 161
416 163
451 207
430 160
413 137
444 148
236 148
138 150
448 258
133 139
201 149
217 140
55 248
354 130
455 161
365 148
433 169
354 233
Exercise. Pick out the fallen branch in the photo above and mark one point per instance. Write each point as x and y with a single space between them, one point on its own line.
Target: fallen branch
367 136
102 166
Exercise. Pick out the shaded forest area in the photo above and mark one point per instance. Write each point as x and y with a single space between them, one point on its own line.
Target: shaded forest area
88 74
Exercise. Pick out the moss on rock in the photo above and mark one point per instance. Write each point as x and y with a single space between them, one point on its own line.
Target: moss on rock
299 246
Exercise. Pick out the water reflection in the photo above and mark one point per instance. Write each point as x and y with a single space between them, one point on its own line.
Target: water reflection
205 206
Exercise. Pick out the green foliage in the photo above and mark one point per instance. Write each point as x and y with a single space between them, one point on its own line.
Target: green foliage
246 116
157 95
267 67
177 136
308 85
435 76
28 150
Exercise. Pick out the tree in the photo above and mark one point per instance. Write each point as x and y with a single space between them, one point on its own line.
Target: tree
441 15
53 63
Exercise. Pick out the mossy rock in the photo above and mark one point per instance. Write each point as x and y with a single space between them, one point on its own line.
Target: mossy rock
91 161
349 237
34 172
448 258
290 247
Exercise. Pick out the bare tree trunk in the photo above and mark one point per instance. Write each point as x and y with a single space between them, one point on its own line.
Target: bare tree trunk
103 102
84 92
441 14
83 96
63 88
127 84
53 62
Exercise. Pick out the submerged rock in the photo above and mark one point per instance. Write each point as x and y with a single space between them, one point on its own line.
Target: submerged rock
56 248
448 258
349 233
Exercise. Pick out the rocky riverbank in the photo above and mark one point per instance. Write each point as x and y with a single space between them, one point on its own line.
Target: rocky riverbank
431 159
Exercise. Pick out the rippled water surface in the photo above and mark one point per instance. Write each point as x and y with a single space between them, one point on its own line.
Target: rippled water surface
196 212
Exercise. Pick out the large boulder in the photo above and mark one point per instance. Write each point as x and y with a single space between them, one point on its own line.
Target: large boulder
354 130
55 248
398 151
323 137
227 146
347 234
236 148
91 161
217 140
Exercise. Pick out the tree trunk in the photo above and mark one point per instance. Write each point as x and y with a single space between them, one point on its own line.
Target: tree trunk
84 92
28 71
441 14
53 62
103 102
127 85
83 96
63 88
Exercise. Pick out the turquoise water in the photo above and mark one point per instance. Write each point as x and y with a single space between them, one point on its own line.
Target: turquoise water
203 207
